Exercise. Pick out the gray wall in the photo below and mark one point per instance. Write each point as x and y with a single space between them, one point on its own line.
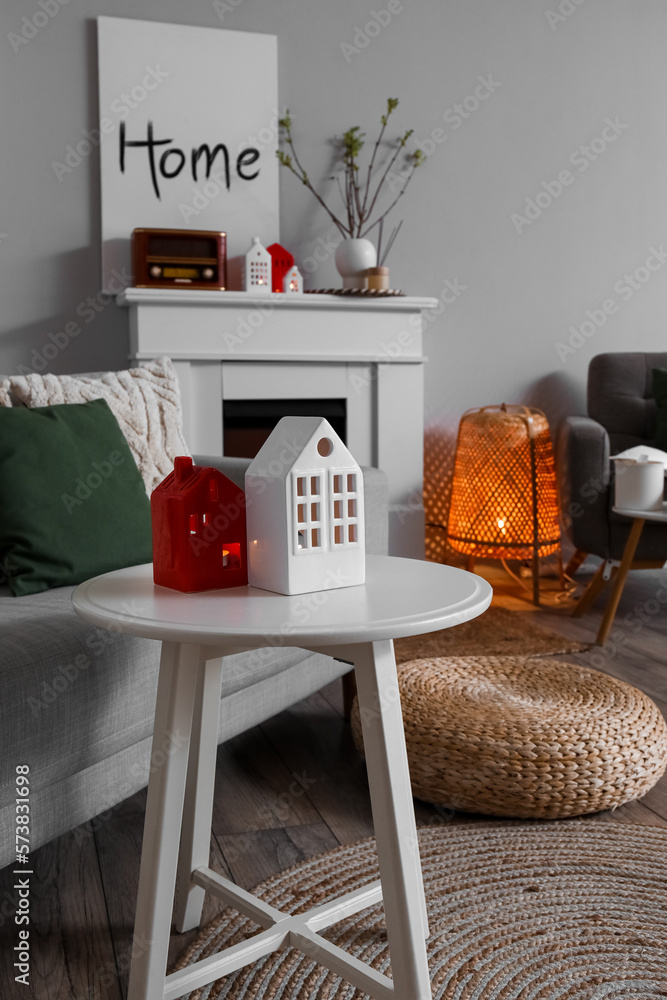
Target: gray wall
556 79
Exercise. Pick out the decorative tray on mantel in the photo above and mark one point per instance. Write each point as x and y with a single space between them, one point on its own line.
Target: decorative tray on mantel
363 292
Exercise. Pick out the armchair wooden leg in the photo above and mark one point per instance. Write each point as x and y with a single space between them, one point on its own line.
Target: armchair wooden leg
597 584
575 562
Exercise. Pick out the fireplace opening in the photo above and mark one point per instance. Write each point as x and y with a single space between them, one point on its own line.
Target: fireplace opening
247 423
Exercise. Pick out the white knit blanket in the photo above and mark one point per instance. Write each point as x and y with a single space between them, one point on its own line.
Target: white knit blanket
145 401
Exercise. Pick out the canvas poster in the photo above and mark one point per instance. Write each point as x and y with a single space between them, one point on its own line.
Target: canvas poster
188 135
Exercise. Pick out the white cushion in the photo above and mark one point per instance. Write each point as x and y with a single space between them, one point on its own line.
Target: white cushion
145 401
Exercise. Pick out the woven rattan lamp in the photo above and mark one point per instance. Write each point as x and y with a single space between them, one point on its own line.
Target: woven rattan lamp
504 502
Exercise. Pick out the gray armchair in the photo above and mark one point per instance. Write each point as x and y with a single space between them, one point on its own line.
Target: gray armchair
621 414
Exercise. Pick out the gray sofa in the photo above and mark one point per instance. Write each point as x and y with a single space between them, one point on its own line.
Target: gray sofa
78 702
621 414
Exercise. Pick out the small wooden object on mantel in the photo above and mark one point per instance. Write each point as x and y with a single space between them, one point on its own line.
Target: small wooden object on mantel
378 279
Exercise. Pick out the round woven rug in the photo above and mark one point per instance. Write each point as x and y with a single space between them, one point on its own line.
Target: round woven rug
498 632
523 910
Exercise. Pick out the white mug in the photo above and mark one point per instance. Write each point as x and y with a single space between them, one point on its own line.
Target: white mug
639 485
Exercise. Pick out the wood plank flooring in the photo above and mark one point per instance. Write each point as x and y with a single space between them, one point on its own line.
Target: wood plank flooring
286 790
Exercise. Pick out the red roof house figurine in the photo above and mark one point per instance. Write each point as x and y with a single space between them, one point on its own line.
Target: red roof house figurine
282 262
199 530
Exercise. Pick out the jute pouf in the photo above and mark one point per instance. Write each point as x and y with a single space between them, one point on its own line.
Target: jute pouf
509 736
574 910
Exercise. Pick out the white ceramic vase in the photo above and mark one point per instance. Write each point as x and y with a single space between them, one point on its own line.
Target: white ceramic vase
353 258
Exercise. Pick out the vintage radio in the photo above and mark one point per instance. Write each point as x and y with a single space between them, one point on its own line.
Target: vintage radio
179 258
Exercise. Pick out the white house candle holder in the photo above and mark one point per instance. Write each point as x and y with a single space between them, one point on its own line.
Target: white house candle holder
258 264
293 281
305 511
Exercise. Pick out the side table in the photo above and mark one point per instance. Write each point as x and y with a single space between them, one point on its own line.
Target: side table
639 519
401 597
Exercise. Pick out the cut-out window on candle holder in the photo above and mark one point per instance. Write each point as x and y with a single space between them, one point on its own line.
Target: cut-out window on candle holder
231 555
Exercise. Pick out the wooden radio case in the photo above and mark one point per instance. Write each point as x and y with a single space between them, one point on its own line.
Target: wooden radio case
179 258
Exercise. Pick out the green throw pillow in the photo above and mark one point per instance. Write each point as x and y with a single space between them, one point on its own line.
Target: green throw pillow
660 396
72 501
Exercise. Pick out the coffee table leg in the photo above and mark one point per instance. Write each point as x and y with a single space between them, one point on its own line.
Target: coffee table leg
393 818
198 805
162 826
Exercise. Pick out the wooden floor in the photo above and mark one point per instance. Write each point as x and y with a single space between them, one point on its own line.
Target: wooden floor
84 884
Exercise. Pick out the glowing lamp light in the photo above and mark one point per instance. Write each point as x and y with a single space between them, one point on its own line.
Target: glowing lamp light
504 502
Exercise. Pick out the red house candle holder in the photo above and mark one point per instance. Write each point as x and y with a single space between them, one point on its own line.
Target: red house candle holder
282 262
199 530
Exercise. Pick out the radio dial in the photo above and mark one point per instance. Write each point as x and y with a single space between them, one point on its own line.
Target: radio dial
208 272
156 271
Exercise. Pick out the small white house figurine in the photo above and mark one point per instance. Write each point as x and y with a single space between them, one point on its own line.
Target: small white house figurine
257 268
293 281
304 510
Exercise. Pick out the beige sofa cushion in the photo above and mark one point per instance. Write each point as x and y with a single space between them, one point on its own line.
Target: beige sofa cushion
145 401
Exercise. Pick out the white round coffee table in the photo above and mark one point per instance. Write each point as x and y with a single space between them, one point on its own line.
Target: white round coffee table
401 597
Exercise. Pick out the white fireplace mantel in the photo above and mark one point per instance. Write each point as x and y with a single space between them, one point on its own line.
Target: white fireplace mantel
240 345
